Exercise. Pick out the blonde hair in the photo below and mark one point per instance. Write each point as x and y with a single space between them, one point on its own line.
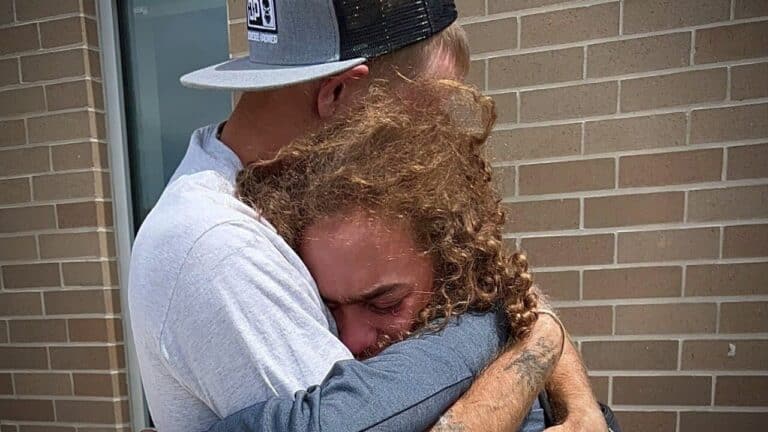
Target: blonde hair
421 60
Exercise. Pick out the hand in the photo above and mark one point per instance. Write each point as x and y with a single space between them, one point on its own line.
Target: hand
585 420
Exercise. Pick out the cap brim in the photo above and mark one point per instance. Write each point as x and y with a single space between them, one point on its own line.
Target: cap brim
242 74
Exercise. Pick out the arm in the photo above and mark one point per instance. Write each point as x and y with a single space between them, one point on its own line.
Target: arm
503 394
406 387
570 392
571 395
350 399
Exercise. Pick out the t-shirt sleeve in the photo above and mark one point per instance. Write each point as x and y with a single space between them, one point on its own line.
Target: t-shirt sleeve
245 323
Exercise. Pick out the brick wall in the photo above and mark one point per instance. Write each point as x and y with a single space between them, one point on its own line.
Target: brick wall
61 351
632 151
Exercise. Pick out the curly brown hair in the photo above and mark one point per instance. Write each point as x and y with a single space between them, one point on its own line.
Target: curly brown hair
415 154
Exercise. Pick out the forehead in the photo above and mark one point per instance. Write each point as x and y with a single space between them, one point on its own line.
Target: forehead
359 235
351 253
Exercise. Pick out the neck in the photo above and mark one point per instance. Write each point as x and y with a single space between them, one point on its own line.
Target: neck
263 123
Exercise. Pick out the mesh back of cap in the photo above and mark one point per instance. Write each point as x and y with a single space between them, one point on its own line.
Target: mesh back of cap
373 28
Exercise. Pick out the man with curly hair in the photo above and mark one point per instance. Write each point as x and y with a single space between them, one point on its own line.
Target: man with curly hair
224 313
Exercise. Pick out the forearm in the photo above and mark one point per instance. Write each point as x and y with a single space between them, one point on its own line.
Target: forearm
500 398
406 387
569 390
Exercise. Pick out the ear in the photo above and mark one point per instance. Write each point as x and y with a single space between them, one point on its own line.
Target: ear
336 91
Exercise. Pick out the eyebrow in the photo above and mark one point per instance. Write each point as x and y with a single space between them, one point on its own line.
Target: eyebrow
376 292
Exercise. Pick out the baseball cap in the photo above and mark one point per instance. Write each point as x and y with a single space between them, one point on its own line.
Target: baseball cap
294 41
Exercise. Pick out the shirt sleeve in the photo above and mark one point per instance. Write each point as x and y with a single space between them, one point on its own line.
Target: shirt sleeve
245 323
406 387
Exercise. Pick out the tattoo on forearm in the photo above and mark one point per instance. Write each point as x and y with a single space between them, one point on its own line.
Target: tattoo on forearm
448 424
533 365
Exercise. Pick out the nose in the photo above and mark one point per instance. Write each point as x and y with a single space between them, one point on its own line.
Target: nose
354 329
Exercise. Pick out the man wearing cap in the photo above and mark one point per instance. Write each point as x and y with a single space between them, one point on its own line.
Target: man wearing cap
225 314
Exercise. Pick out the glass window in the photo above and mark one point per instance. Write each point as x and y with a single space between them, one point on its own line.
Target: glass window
161 41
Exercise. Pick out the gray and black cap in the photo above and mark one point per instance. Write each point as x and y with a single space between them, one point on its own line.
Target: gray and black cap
294 41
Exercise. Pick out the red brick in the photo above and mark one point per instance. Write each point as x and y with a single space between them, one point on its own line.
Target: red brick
671 168
630 355
78 302
748 81
570 102
642 16
728 203
504 181
662 390
542 215
21 101
587 321
746 317
731 42
666 319
22 219
721 421
12 133
715 355
45 384
741 391
15 191
572 176
535 143
625 210
31 275
600 387
685 88
99 385
570 25
87 357
23 358
6 384
745 241
493 35
570 250
497 6
12 304
29 410
506 107
635 133
749 9
24 161
536 68
18 39
633 283
466 8
639 55
748 162
35 9
95 330
645 421
729 124
727 279
79 411
38 331
558 285
668 245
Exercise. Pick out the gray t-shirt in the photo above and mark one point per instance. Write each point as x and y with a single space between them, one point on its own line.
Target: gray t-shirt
224 313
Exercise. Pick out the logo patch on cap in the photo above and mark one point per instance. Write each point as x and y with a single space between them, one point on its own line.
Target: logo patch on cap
262 21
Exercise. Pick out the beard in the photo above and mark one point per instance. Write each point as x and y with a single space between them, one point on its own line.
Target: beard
382 342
